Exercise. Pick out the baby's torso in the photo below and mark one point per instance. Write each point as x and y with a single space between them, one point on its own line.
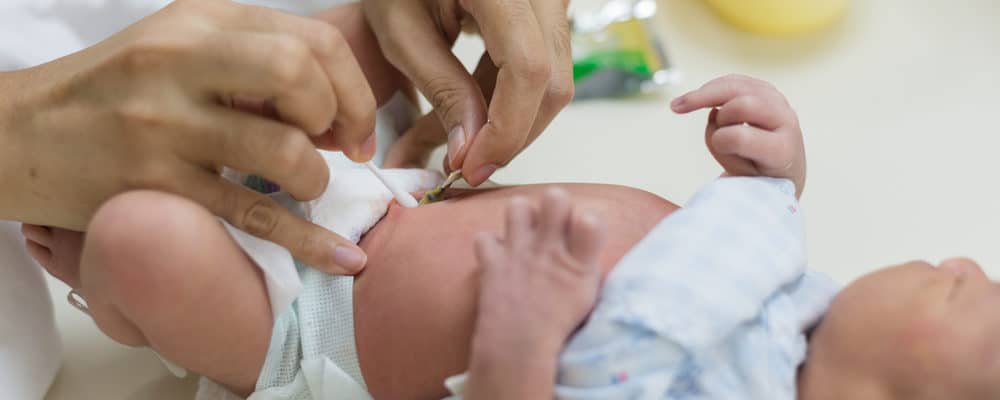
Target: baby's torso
415 304
712 302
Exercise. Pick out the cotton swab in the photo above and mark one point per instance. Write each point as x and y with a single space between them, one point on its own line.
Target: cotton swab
404 198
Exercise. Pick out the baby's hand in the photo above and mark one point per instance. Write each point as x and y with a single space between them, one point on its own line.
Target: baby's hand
541 279
752 130
538 282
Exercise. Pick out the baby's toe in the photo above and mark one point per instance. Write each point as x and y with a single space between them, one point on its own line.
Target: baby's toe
586 237
555 215
520 223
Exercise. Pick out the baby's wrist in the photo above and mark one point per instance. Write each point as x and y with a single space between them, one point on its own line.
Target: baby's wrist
495 351
496 340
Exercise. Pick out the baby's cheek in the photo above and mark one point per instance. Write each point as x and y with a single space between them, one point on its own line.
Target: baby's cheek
930 348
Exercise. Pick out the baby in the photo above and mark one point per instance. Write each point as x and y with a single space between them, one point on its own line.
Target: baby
711 301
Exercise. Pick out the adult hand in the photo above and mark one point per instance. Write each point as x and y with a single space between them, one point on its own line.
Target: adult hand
525 77
149 108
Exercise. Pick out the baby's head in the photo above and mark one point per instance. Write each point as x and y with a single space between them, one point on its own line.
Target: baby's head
909 332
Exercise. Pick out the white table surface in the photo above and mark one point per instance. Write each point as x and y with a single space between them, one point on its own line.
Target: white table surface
898 103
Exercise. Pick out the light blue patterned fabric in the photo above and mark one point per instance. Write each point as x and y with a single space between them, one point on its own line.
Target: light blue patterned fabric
713 303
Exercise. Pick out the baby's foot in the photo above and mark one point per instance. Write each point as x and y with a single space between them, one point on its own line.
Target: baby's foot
541 279
57 250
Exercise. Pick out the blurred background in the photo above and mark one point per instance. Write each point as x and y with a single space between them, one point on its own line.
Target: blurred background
898 102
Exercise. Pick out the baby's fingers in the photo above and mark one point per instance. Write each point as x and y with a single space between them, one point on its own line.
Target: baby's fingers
765 149
718 91
757 111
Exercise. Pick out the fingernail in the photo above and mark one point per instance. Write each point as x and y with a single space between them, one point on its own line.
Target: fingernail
456 140
484 173
349 258
677 102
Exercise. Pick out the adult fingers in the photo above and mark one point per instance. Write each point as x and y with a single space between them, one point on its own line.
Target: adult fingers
753 110
355 117
555 30
414 147
41 254
720 90
257 145
412 42
384 79
268 66
524 72
485 76
37 233
261 216
554 23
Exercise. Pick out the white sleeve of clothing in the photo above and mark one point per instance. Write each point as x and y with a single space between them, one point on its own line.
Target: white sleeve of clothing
34 32
30 349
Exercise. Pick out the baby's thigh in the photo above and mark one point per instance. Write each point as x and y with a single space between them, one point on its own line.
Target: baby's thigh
162 271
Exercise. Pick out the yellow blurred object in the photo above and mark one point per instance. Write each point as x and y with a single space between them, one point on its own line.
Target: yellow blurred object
780 17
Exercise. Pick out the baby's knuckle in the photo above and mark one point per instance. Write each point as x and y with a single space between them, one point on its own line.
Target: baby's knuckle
737 87
745 103
732 77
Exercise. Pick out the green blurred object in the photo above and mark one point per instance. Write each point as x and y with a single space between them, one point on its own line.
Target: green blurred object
626 60
617 53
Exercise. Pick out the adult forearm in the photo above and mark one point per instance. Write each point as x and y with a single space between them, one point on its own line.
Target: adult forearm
12 173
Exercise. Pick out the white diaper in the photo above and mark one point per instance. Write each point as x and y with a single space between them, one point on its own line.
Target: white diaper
312 345
312 354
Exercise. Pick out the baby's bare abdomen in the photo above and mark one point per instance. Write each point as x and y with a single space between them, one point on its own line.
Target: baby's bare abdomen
415 304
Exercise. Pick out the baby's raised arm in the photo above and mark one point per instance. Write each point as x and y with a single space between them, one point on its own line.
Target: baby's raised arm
751 130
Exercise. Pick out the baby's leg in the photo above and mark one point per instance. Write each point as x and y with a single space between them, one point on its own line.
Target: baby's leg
158 270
